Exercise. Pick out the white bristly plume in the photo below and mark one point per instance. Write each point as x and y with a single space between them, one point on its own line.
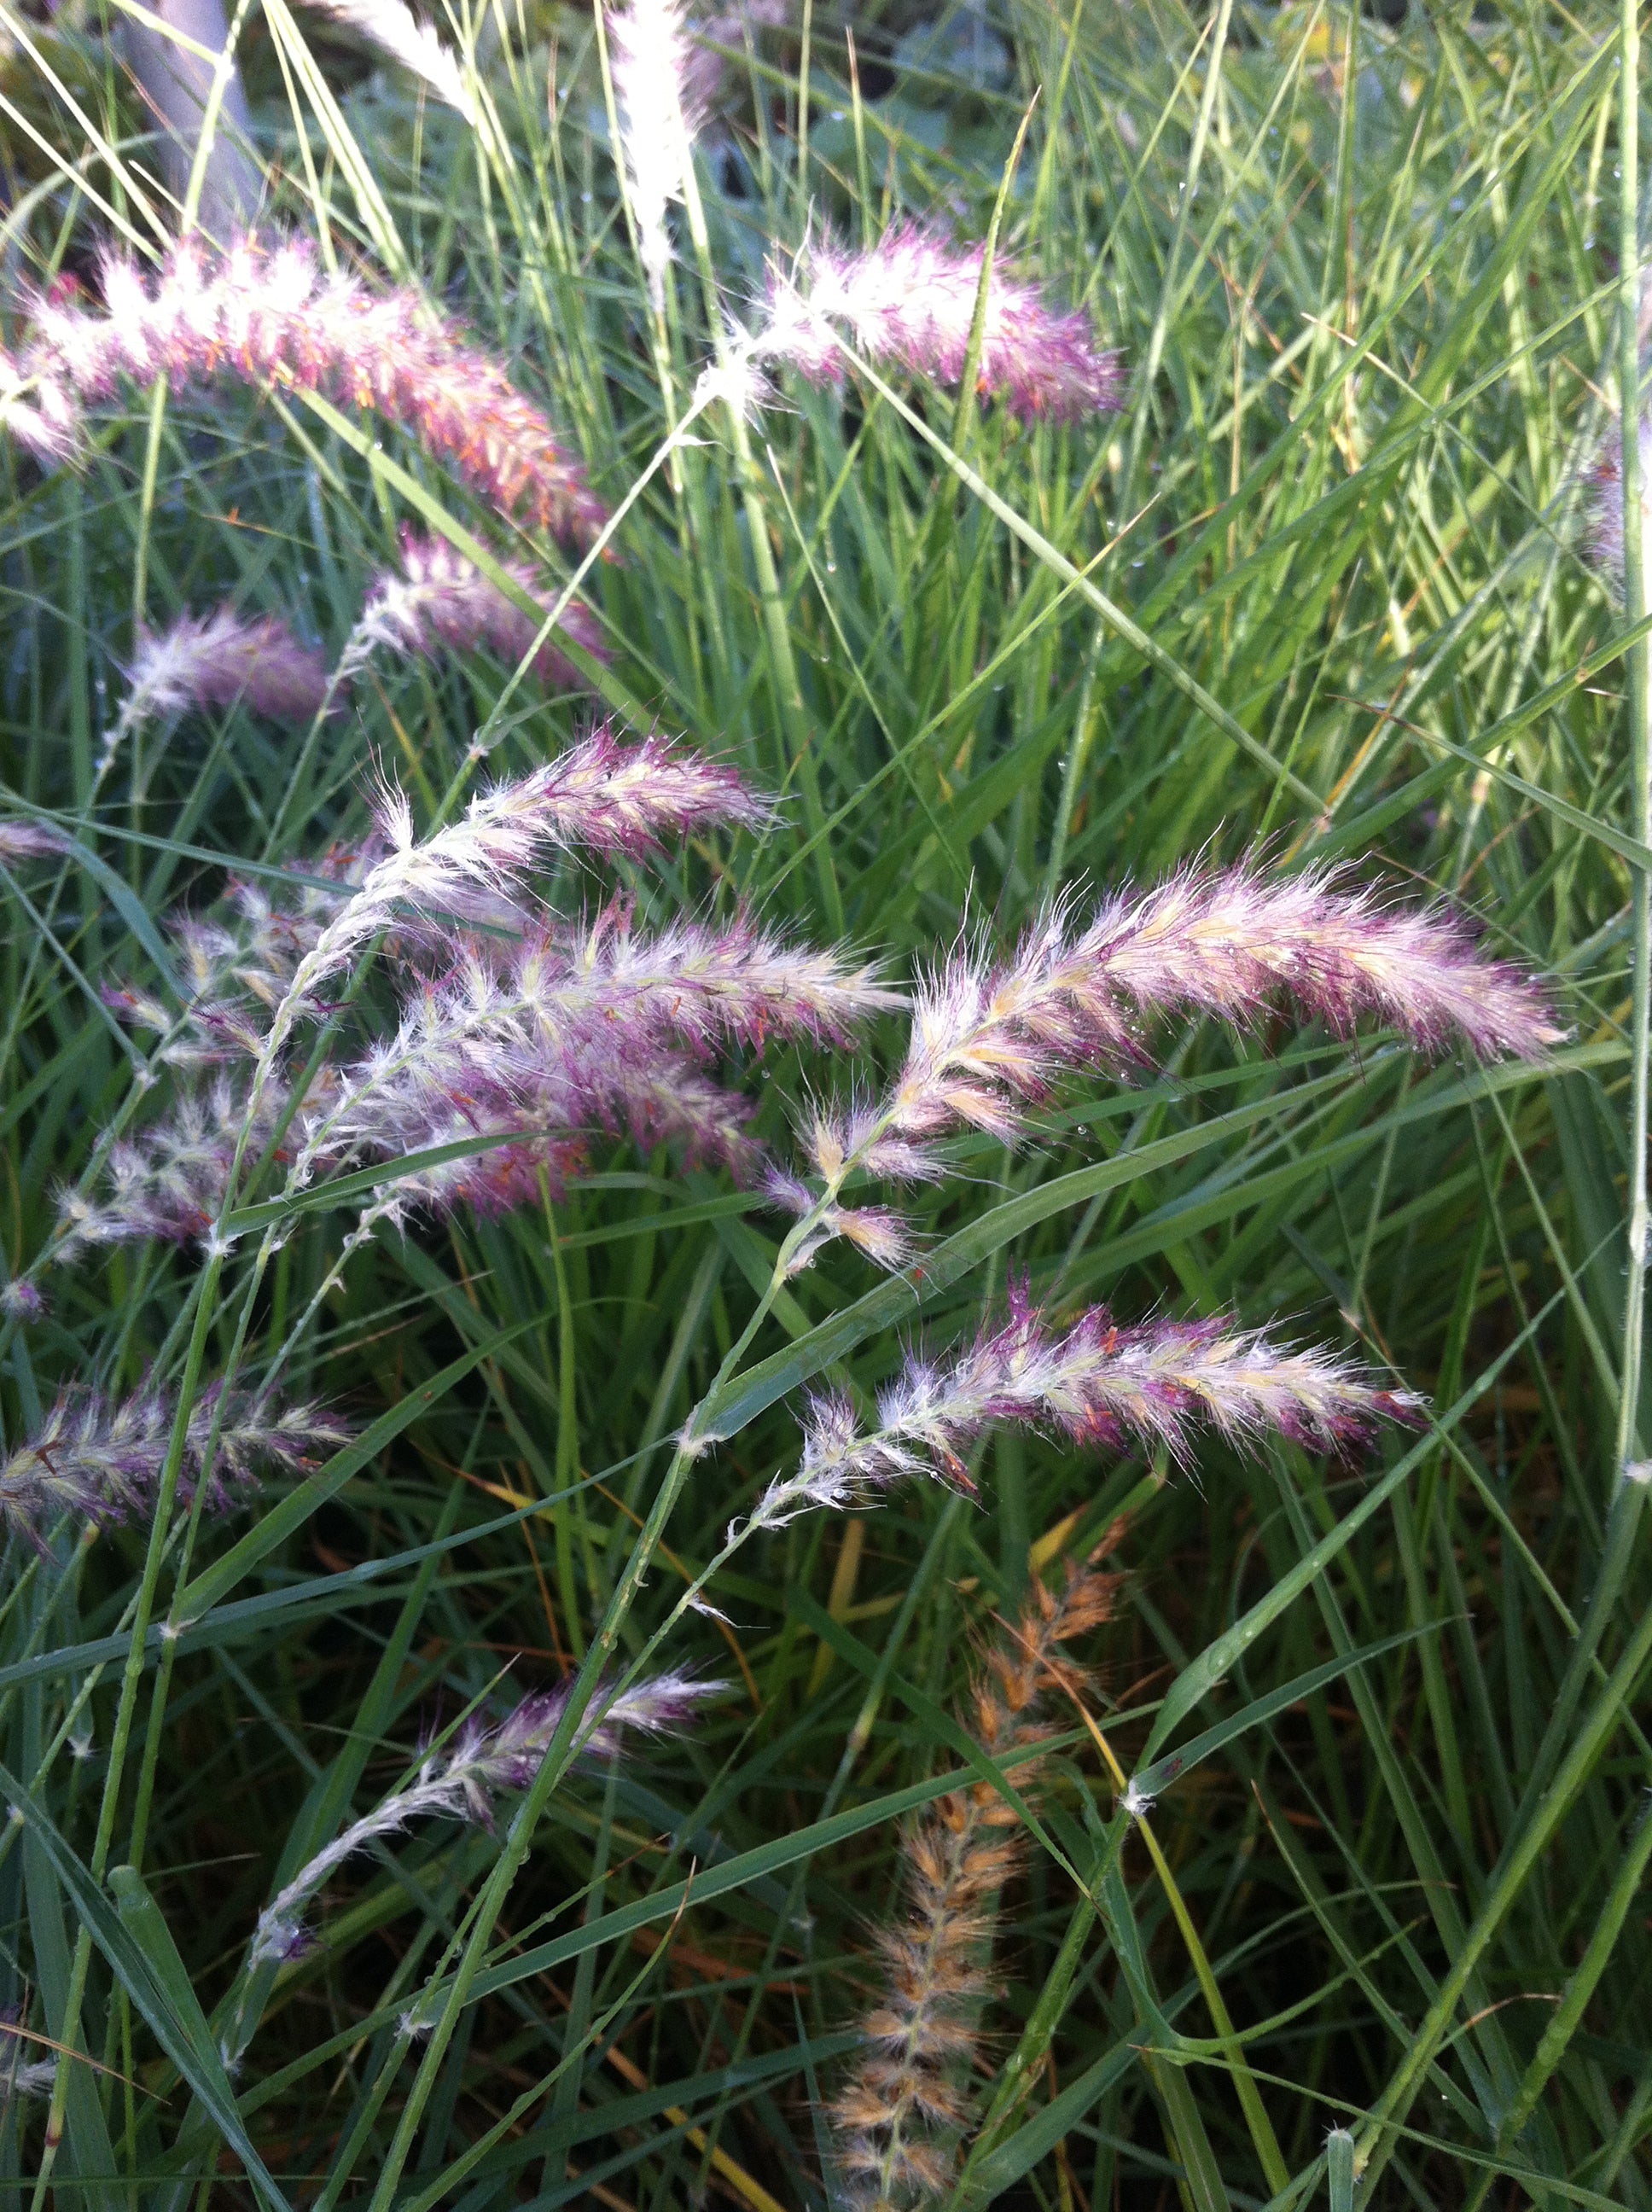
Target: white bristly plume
398 34
651 62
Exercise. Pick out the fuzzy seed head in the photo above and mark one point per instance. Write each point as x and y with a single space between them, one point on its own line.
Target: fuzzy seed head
102 1460
461 1781
267 316
398 34
1604 508
899 2118
650 60
440 601
1099 1385
909 302
213 660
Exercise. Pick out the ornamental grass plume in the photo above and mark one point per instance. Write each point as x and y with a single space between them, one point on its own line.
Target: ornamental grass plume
398 34
543 1042
102 1459
30 841
909 302
1604 525
21 2077
441 600
264 316
216 660
535 1035
166 1182
605 795
460 1780
690 986
899 2118
650 61
1097 1385
992 1041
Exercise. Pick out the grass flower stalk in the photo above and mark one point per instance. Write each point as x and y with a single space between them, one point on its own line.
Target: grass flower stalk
1150 1387
601 793
266 316
649 50
1608 508
991 1042
909 302
460 1780
396 32
439 600
216 660
900 2118
101 1460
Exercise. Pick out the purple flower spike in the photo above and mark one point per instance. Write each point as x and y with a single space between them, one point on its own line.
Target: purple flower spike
1101 1386
990 1042
213 660
267 317
103 1460
910 301
29 840
460 1782
441 599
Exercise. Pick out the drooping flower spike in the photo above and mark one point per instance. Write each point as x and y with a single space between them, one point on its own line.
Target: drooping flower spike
102 1460
29 840
167 1181
604 794
543 1036
440 599
650 60
543 1102
214 660
460 1780
909 302
1152 1386
604 983
269 316
992 1041
398 34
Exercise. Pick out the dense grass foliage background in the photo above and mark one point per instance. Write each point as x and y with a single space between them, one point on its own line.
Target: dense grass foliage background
1364 279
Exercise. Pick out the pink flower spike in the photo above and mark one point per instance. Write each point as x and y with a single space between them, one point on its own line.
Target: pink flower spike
991 1042
22 1300
616 797
910 301
460 1780
441 599
1227 941
600 793
267 317
1150 1387
28 841
103 1460
213 660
